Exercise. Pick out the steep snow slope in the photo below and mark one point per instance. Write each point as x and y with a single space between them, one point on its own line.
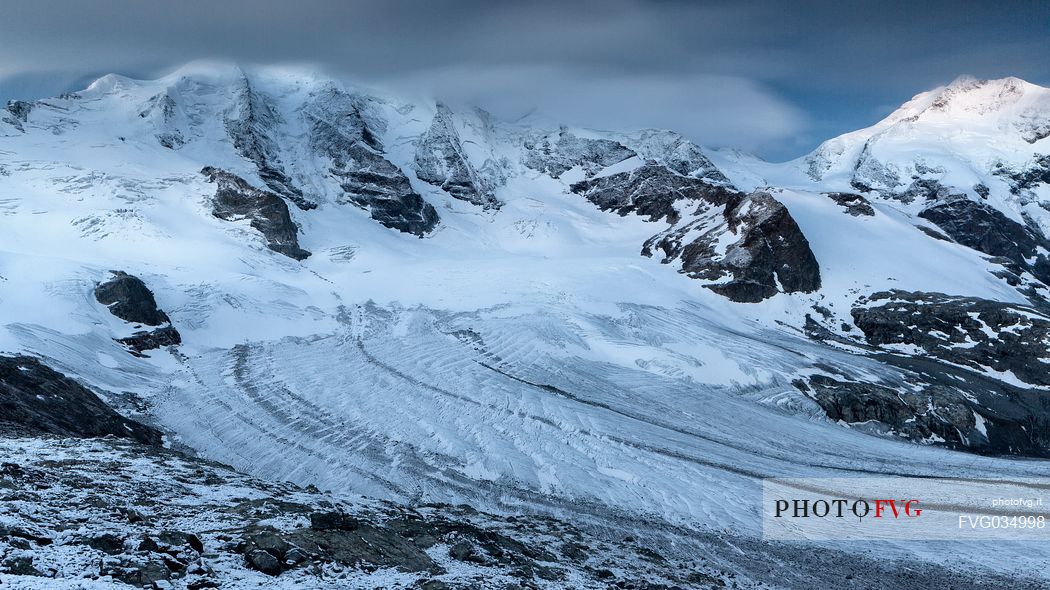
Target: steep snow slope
466 327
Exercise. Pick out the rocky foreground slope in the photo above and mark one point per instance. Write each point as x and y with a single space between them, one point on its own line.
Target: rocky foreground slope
111 513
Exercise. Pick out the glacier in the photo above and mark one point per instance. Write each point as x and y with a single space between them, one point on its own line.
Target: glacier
464 328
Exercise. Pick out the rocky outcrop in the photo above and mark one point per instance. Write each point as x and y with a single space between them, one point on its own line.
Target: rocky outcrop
769 254
440 161
555 155
251 126
977 416
16 113
854 204
765 255
35 399
651 190
986 229
980 334
235 200
1023 181
128 298
339 131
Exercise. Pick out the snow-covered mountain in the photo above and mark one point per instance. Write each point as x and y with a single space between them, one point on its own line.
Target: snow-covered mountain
971 157
375 295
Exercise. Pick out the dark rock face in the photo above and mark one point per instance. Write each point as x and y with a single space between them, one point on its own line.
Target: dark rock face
235 199
152 339
854 204
440 161
650 190
769 255
339 131
128 298
985 229
251 128
400 543
976 415
36 399
918 416
567 151
965 331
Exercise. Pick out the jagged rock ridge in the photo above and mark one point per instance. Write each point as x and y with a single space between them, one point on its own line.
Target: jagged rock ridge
440 161
235 200
251 126
340 133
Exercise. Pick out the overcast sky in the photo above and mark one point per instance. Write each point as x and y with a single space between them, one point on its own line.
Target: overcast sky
771 77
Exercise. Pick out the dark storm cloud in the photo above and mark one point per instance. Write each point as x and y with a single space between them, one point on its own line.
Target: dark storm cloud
769 76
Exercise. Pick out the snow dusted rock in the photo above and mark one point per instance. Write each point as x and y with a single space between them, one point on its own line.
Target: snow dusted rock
928 415
252 125
162 111
677 153
651 190
987 336
38 400
1027 180
340 133
769 254
441 161
978 417
128 298
555 154
235 200
16 113
747 246
936 404
854 204
91 513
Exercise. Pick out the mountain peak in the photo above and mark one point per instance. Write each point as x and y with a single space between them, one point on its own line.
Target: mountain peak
967 94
